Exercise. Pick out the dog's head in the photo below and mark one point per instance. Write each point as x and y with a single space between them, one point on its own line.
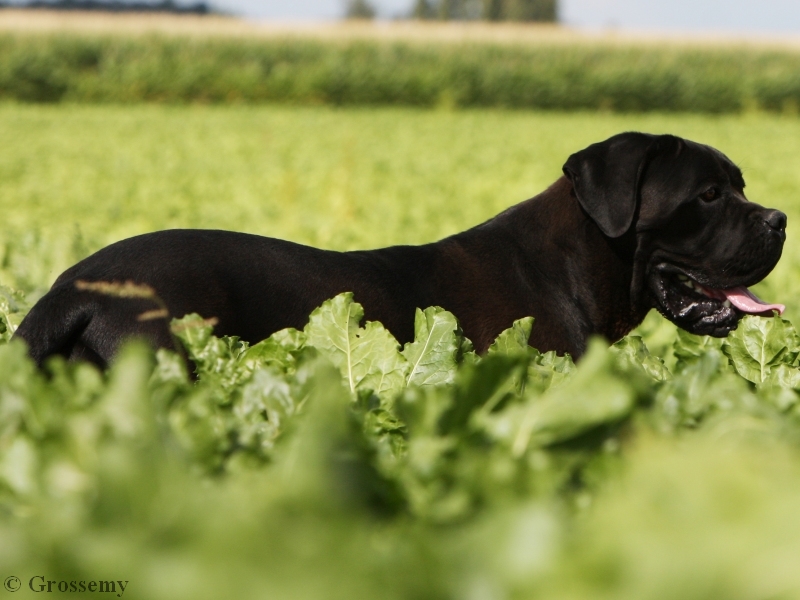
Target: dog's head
699 242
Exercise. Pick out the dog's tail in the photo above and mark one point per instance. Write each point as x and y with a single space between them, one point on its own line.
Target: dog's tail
55 324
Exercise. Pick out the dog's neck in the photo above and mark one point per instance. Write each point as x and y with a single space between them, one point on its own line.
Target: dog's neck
589 274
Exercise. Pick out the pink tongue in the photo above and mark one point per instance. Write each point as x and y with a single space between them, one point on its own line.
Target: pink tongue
746 301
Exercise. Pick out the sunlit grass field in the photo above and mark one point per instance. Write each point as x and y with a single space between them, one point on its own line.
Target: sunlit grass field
75 178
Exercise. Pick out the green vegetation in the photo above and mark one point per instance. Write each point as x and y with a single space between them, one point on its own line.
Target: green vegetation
327 463
76 178
618 77
294 469
491 10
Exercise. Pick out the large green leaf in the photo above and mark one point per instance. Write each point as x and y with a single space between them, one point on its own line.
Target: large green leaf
700 389
632 352
514 339
593 396
217 359
433 355
759 344
368 357
689 347
280 350
548 370
482 388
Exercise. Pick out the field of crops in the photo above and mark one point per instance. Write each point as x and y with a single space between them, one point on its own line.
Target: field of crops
75 178
423 471
542 69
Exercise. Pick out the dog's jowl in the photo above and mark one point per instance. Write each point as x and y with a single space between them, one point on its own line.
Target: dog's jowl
636 222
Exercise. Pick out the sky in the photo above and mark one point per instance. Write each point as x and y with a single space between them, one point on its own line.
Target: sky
780 16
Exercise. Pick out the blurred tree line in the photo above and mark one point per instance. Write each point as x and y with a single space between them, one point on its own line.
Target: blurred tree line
360 9
489 10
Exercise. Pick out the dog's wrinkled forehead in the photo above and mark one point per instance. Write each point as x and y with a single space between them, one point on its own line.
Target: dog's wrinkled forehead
609 178
678 171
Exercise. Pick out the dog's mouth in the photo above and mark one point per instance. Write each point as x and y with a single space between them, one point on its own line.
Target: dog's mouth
701 308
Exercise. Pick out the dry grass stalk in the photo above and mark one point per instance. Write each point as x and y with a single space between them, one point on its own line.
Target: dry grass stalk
128 289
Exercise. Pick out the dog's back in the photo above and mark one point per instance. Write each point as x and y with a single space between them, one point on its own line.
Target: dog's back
251 285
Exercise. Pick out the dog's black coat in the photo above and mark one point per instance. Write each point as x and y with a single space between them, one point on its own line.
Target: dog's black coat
592 254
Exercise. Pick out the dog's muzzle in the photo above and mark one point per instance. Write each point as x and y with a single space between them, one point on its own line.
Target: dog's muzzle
700 309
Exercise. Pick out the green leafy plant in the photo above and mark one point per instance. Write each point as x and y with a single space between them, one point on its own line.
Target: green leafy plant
400 471
532 73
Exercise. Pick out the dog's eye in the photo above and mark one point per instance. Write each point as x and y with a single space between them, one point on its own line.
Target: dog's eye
710 194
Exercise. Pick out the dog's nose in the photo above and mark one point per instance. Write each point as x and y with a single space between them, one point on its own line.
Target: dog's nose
776 219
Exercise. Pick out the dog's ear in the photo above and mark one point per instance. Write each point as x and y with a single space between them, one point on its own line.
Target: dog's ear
606 177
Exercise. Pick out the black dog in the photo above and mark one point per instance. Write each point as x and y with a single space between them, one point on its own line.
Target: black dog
638 222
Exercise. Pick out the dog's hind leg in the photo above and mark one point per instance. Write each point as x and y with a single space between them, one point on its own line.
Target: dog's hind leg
55 324
85 325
